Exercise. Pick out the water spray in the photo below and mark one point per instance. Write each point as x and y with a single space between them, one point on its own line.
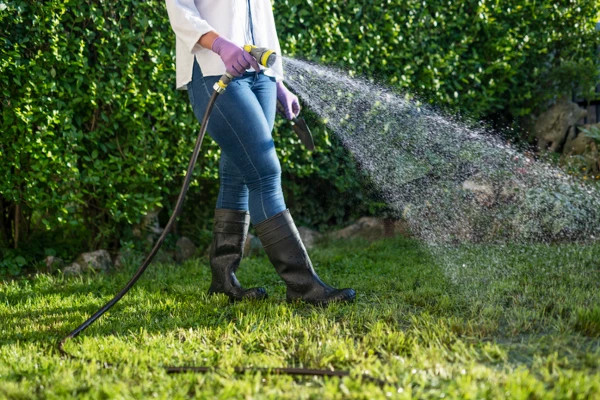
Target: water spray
455 183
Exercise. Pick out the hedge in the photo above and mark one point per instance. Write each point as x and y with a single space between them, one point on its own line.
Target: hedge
94 134
479 56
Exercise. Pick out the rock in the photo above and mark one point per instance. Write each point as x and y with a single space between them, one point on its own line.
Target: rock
482 192
487 194
372 228
354 230
98 261
309 237
577 142
552 126
72 269
184 249
53 263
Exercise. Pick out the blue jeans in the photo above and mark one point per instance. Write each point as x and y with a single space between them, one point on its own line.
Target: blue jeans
241 123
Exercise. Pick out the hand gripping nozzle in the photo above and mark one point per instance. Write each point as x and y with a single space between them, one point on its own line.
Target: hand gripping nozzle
263 56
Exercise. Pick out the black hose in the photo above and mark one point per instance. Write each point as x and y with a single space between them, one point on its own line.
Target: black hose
161 239
170 369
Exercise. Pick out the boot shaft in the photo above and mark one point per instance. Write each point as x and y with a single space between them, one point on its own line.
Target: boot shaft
283 245
230 229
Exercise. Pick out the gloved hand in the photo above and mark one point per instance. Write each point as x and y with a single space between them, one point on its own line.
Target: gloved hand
236 59
289 100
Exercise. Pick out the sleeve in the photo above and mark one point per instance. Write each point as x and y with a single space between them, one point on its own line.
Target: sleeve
273 43
186 22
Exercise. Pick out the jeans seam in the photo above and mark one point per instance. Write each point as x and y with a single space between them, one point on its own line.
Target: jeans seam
262 203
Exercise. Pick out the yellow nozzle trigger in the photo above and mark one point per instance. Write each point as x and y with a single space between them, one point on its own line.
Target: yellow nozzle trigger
248 47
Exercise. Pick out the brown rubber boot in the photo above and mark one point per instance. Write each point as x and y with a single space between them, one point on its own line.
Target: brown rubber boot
285 250
229 235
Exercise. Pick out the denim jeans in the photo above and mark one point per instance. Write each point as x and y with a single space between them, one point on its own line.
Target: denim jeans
241 123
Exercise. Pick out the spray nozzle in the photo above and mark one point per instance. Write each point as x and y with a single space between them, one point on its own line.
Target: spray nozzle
263 56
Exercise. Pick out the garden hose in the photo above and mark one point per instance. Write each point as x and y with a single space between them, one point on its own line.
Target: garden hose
159 242
269 58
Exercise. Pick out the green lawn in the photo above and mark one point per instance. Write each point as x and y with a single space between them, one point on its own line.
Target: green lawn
483 322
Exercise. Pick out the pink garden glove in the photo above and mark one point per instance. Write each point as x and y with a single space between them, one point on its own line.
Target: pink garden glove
236 59
289 100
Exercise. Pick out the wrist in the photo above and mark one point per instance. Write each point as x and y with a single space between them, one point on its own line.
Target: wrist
208 40
280 87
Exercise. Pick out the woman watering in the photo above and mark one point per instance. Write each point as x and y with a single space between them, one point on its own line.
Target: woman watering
210 36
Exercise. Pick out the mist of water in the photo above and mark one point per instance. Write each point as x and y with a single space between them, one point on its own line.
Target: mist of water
453 183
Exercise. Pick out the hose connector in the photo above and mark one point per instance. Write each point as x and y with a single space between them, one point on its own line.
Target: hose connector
222 83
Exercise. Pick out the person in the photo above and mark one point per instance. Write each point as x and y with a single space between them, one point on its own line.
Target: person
210 35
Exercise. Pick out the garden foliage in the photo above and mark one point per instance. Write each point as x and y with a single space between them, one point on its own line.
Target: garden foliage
94 134
481 57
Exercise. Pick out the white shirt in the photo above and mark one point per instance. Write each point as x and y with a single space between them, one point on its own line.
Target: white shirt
190 19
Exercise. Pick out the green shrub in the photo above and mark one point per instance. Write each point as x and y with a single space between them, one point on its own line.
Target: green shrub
93 132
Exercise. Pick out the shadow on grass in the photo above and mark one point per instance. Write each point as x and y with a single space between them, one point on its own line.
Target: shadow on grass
396 280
